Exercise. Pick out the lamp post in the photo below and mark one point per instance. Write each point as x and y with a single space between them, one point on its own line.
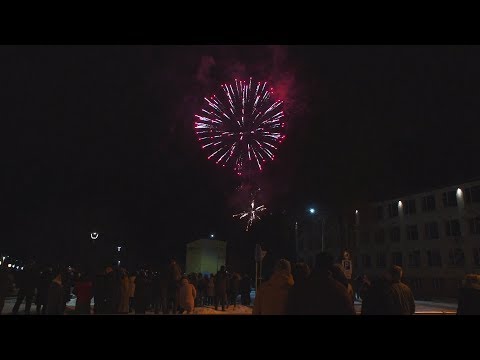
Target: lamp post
312 211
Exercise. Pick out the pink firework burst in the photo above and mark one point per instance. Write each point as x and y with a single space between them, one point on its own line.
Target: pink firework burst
242 127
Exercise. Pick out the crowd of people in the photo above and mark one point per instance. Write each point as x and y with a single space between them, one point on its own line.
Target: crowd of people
326 291
116 291
323 290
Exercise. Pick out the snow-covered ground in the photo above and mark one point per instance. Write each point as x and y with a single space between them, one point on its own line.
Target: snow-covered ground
422 307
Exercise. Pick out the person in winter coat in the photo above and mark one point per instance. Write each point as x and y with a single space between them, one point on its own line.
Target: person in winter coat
221 288
56 302
174 275
141 293
83 289
124 304
187 294
43 285
109 291
469 296
131 290
234 289
320 294
211 290
400 299
245 289
26 281
375 297
272 296
338 273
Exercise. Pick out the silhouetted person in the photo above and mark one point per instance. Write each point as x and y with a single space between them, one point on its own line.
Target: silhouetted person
5 285
469 296
109 290
141 293
43 286
174 275
26 281
160 292
234 289
338 273
56 302
400 299
375 297
84 291
320 294
272 296
124 304
245 289
221 288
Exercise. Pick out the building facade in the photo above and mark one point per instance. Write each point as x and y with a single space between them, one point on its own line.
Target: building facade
434 236
205 256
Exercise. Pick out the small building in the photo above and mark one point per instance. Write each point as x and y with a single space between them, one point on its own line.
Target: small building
205 256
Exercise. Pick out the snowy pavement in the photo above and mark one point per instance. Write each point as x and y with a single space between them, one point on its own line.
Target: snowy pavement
422 308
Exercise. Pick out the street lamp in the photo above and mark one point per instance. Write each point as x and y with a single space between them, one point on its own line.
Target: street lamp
94 235
119 248
212 236
312 211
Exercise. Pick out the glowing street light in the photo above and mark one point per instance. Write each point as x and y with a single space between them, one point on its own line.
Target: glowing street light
311 211
93 235
119 248
212 236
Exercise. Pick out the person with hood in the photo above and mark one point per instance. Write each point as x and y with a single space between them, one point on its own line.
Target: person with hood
56 302
272 296
469 296
321 294
186 296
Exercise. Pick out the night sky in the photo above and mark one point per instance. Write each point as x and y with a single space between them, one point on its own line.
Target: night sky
101 138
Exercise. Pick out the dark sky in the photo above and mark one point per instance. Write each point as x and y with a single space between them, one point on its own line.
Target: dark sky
101 137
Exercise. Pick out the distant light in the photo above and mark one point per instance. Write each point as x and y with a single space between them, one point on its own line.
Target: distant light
4 258
94 235
356 211
212 236
311 210
119 262
9 265
459 192
22 268
400 203
119 248
0 263
18 267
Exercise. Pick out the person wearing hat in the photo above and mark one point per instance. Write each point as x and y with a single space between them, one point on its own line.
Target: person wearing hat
272 296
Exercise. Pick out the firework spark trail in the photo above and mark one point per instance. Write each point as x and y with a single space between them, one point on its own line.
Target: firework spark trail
239 127
252 213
